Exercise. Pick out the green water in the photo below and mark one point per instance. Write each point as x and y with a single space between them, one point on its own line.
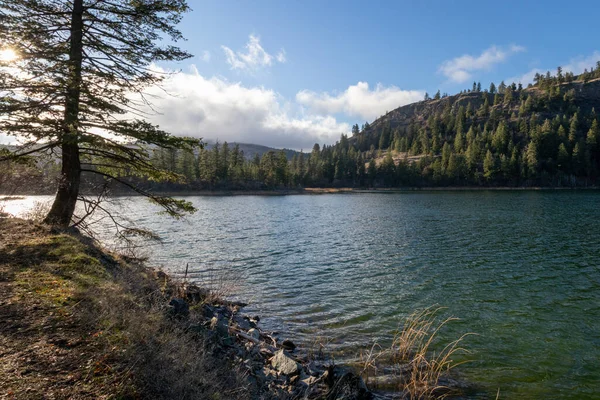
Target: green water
520 269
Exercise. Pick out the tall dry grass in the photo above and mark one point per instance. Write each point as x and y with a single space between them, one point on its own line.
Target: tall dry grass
418 369
157 357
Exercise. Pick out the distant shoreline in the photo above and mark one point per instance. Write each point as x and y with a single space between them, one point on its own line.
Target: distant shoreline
319 191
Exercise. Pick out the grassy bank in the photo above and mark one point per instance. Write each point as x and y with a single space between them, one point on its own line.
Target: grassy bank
76 322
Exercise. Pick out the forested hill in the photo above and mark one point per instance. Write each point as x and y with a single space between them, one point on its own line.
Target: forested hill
546 134
586 96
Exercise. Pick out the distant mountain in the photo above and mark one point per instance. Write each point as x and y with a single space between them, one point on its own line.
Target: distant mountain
250 150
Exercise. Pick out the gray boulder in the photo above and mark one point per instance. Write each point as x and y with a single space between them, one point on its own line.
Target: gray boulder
285 364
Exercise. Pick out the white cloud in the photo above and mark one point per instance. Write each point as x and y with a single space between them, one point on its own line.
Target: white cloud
460 69
576 65
214 108
281 56
255 56
526 78
359 101
206 56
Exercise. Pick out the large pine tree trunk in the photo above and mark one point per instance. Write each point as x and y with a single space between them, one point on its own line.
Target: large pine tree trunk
68 189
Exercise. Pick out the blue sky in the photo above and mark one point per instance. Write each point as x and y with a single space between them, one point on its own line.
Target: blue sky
330 45
292 73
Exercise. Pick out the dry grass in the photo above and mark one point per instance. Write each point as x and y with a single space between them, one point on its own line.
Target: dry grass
418 369
317 349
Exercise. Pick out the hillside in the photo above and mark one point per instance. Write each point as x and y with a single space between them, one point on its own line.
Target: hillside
586 97
546 134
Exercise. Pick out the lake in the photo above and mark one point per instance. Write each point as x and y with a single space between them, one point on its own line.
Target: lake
520 269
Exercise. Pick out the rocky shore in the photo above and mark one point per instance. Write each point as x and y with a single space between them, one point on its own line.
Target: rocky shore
274 366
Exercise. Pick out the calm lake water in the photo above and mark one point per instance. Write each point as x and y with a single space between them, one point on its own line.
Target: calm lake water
521 269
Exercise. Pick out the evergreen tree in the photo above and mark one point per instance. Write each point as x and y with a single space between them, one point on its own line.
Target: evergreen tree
361 170
502 87
384 139
532 159
70 87
574 128
490 168
563 158
372 172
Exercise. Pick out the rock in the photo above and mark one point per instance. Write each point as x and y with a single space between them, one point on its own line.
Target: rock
269 373
195 294
265 352
254 333
311 380
288 345
243 323
315 369
208 311
253 323
348 386
221 327
285 364
179 308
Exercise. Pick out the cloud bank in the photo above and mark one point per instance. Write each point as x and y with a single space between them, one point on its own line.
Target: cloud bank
359 101
215 108
461 69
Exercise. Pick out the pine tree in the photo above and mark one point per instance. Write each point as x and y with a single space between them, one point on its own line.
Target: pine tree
573 128
372 172
532 159
489 166
81 62
508 95
459 142
361 171
563 158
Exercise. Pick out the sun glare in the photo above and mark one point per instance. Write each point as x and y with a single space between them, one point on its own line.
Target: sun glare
8 55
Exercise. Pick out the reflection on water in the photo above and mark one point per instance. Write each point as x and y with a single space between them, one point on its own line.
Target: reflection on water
519 268
21 206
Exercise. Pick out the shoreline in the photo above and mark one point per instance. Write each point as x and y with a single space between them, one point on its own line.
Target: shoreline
321 191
